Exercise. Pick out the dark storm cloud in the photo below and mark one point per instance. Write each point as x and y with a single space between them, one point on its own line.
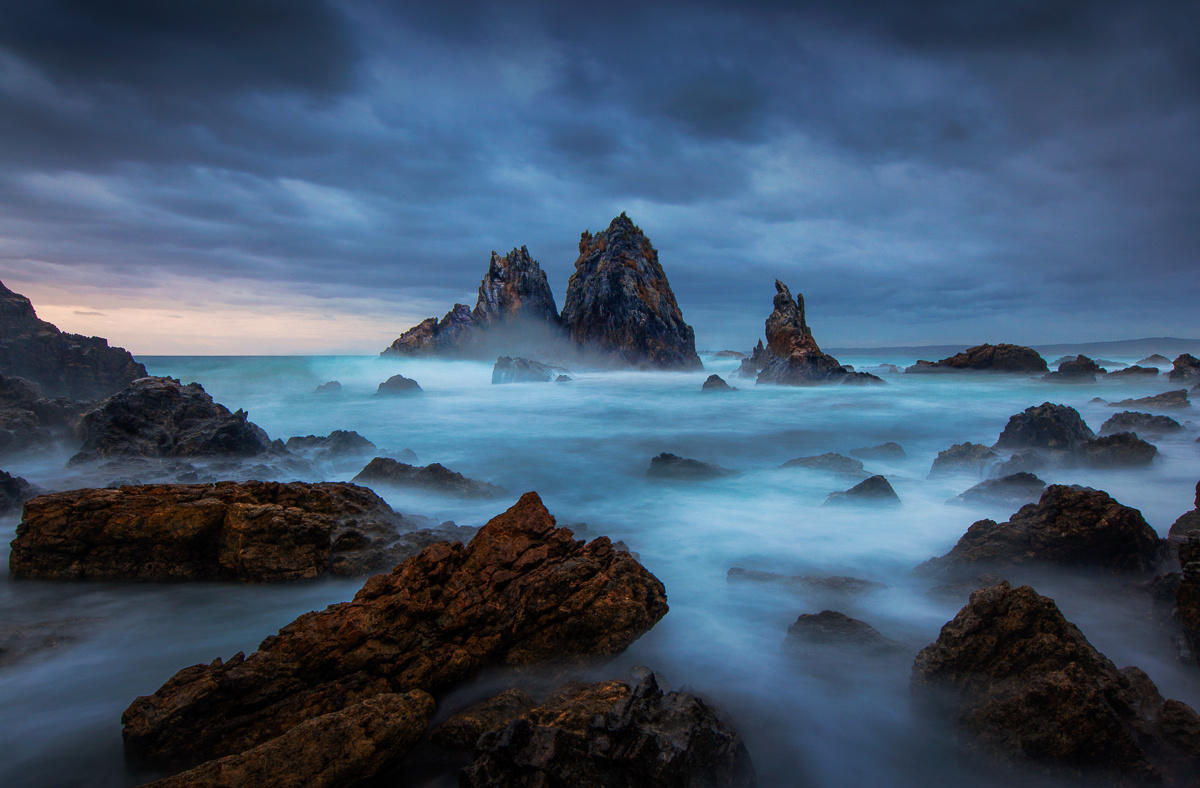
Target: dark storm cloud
914 168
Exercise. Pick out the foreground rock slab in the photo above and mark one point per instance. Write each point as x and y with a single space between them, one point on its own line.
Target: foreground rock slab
523 591
342 748
254 531
1026 687
615 735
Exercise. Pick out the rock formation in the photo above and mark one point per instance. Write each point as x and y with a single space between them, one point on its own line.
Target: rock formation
63 365
716 383
158 417
963 458
613 734
831 629
14 492
514 290
453 335
253 531
523 591
1079 369
1168 400
1185 369
1134 371
398 385
339 443
1069 526
1155 360
676 468
1016 489
1141 423
620 305
434 477
987 358
522 370
1027 688
28 419
1119 450
1045 426
329 387
874 490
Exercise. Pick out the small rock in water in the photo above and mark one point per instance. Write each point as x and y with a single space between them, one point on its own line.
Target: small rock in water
522 370
829 461
1167 400
338 443
398 385
1045 426
1156 360
670 466
716 383
1134 371
1121 450
1185 369
884 451
435 477
563 379
332 387
963 457
1144 423
831 629
1015 490
986 358
875 491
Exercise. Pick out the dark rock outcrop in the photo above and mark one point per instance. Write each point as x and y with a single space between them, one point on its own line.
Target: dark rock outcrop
434 477
716 383
884 451
253 531
831 629
158 417
1120 450
523 591
514 290
613 734
1142 423
1134 371
1079 369
1027 688
1015 489
522 370
874 490
62 364
1069 526
792 357
1155 360
620 305
963 458
1185 369
330 387
1045 426
14 492
398 385
28 419
670 466
987 358
1166 401
829 461
339 443
345 747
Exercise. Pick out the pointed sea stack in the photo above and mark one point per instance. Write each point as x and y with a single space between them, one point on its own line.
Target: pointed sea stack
620 304
515 288
792 356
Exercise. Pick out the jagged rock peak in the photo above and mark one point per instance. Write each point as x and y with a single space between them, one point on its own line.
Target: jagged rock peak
787 331
620 303
514 288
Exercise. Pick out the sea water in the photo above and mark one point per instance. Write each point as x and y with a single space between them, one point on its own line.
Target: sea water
584 446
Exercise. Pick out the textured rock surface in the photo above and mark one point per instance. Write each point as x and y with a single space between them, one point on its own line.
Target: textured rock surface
1015 489
1069 526
256 531
339 443
830 628
1122 450
792 356
461 731
620 304
1045 426
1168 400
614 735
346 747
829 461
398 385
1141 423
63 365
158 417
1025 686
884 451
514 289
14 491
671 466
1185 369
716 383
522 591
987 358
435 477
963 458
522 370
874 490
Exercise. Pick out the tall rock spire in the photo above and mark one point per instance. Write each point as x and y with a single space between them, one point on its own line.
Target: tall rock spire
514 288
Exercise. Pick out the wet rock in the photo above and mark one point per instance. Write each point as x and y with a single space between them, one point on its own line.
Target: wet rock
670 466
716 383
461 731
514 290
875 491
339 443
14 492
522 370
159 417
1155 360
620 305
884 451
830 628
331 387
345 747
1045 426
434 477
837 584
831 462
522 592
792 357
398 385
1165 401
1143 423
963 458
1015 489
1069 526
61 364
1121 450
1185 369
1134 371
986 358
1026 687
616 735
1079 369
253 531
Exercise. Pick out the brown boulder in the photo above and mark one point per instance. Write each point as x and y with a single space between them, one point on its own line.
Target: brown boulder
987 358
1026 687
523 591
255 531
462 730
792 357
345 747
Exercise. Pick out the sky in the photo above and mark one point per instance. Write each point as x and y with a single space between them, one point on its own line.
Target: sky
297 176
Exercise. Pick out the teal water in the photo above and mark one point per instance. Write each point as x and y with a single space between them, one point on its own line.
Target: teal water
585 446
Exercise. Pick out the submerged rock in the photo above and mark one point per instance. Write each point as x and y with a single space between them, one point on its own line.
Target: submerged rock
615 735
620 304
14 492
522 370
792 357
1045 426
884 451
523 591
987 358
159 417
1134 371
1144 423
716 383
1015 489
1187 596
670 466
339 443
1026 687
829 461
61 364
963 458
1185 369
831 629
435 477
1069 526
838 584
254 531
1167 400
331 387
875 490
398 385
345 747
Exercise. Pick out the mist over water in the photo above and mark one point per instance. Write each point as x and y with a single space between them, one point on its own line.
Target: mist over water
584 446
